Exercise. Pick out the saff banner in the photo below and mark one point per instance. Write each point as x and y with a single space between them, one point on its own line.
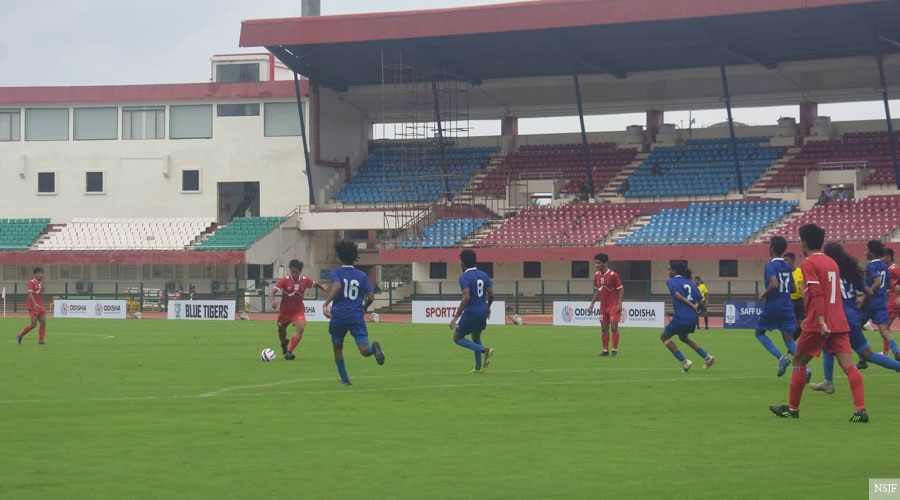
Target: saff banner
742 314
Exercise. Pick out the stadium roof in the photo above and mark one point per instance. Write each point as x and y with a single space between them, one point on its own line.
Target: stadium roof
150 93
557 37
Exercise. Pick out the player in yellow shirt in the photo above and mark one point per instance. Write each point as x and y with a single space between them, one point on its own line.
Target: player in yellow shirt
701 309
797 295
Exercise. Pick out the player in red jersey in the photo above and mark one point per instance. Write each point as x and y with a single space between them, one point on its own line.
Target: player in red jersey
608 288
893 294
825 325
293 288
35 304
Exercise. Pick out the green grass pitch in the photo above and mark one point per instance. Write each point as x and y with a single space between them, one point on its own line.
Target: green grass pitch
186 410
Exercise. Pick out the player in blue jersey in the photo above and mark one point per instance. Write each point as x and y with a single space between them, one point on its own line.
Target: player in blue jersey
778 311
351 294
877 278
474 310
685 297
851 284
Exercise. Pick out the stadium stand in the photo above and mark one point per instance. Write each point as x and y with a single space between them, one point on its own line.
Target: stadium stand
445 233
557 161
855 150
240 233
701 167
709 223
386 176
569 225
849 221
86 233
19 234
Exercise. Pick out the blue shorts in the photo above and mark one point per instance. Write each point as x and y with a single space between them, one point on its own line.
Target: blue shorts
471 323
784 321
338 329
679 327
878 315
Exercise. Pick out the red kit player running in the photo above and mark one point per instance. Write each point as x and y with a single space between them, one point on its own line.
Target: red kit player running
35 306
608 288
293 288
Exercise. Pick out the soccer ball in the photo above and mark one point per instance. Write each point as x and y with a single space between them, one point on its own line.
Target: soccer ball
267 355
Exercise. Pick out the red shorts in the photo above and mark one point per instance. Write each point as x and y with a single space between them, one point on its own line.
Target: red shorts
812 343
37 314
286 319
610 315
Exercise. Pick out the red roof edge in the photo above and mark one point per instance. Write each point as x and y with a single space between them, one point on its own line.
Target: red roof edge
150 93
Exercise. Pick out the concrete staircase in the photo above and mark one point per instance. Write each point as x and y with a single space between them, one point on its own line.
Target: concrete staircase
775 226
609 192
638 222
758 187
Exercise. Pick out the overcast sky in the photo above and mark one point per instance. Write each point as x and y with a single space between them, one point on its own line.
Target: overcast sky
120 42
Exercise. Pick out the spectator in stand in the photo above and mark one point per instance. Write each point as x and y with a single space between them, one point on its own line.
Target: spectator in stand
823 199
655 170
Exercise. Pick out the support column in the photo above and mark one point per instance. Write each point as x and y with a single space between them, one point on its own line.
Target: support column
655 120
892 141
734 144
809 111
509 125
309 179
445 185
584 139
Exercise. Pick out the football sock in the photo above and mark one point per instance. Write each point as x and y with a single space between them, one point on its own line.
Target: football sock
468 344
791 346
284 345
24 331
701 352
605 341
893 345
679 356
41 333
342 370
856 387
478 360
706 321
798 382
370 350
768 345
882 360
294 342
828 365
615 338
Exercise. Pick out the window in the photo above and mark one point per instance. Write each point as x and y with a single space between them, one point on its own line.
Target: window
487 267
728 268
281 119
162 271
190 181
93 182
190 122
47 124
92 124
237 73
531 269
202 272
438 271
147 122
116 272
46 182
237 109
581 269
9 125
69 272
16 272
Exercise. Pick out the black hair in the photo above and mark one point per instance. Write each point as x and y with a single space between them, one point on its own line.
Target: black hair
680 268
37 269
813 236
876 247
346 251
847 264
778 245
698 278
468 258
295 264
889 252
790 255
601 257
